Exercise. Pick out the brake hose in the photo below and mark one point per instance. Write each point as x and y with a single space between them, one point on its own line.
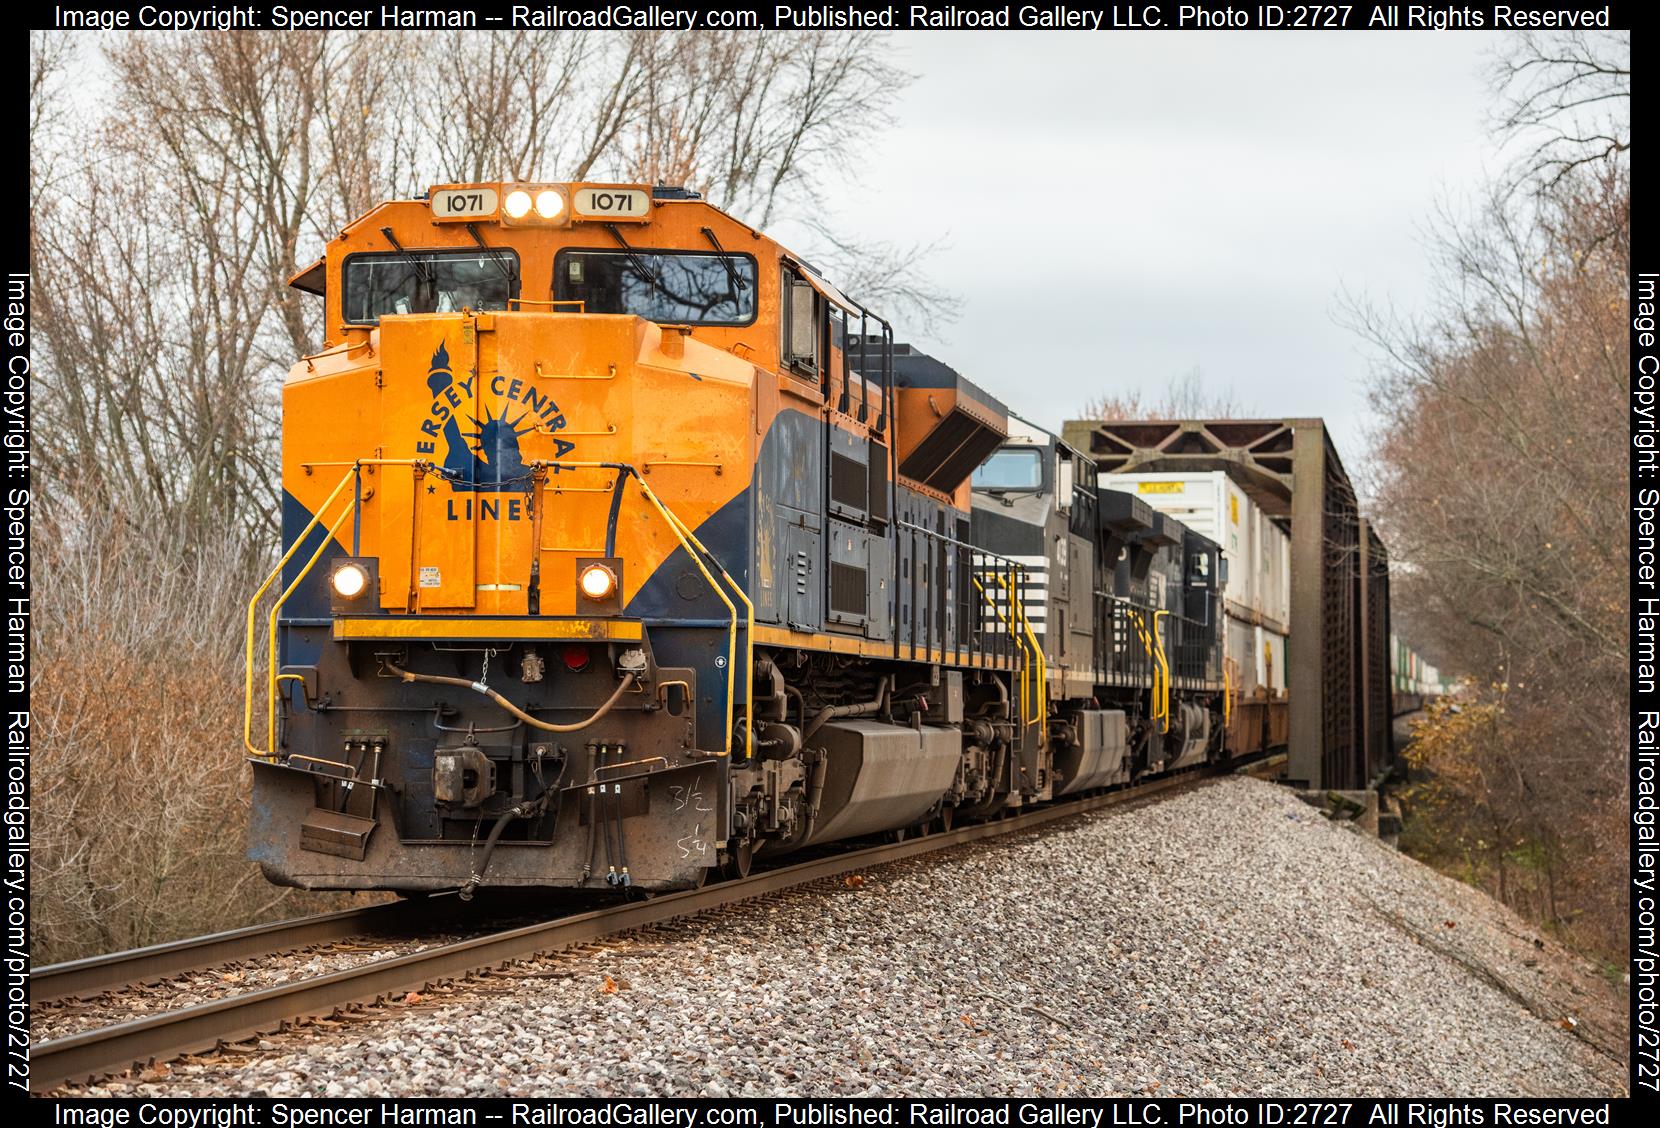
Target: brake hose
480 687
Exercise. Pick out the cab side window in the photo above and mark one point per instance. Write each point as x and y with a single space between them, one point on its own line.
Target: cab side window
801 313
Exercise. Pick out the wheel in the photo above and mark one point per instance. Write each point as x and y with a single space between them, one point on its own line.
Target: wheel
739 860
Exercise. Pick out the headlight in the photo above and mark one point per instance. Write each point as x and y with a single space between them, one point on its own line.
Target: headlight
597 582
350 580
517 205
549 204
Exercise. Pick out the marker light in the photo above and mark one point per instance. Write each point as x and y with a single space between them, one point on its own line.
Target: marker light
576 657
517 205
597 582
349 580
548 204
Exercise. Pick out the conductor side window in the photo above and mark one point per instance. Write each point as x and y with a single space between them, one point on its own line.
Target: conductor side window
378 284
1198 570
668 288
1011 469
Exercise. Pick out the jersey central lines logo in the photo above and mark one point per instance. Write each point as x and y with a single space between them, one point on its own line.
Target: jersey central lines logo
482 452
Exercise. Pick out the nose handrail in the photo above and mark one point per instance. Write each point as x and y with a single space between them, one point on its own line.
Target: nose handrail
702 557
353 474
694 548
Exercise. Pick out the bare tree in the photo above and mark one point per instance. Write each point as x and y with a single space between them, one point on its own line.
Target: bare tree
1499 467
1185 397
1500 477
1565 101
525 106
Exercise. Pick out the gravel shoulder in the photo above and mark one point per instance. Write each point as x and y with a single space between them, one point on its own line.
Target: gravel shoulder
1226 941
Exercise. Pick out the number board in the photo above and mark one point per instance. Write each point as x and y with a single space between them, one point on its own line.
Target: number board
461 204
612 204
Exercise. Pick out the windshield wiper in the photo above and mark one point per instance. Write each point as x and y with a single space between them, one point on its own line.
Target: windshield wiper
634 260
496 255
726 261
415 264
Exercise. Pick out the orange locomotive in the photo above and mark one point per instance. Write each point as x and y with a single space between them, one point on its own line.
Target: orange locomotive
619 547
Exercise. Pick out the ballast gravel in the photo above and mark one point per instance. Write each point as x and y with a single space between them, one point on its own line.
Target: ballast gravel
1229 940
61 1018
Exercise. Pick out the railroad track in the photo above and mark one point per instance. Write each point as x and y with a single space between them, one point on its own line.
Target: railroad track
98 974
208 1025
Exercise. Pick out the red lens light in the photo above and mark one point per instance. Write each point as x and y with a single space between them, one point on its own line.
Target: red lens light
576 657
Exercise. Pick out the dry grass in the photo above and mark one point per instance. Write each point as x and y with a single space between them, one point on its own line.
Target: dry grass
141 792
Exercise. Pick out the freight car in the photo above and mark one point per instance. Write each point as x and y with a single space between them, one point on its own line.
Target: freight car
1413 681
620 547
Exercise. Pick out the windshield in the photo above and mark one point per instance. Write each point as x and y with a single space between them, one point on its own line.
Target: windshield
1010 469
667 287
428 282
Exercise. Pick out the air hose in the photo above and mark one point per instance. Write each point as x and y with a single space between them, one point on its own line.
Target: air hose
480 687
521 811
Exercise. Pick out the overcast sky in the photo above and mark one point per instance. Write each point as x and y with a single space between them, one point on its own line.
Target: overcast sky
1123 207
1120 208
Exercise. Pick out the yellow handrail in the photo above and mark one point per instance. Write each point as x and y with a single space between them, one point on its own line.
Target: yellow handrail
253 607
1013 634
272 676
749 641
271 630
1164 665
1019 607
688 540
1027 645
1161 672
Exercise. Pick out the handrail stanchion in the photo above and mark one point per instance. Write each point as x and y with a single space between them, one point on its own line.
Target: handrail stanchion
276 609
749 634
253 607
353 473
1165 664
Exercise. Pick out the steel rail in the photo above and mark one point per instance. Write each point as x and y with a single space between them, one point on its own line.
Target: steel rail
205 1026
97 974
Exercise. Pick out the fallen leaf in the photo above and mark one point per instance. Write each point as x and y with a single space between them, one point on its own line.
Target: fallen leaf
1569 1023
853 880
1449 924
412 997
1348 1045
610 987
967 1021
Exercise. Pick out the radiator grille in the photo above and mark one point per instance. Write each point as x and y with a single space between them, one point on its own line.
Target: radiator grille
847 589
878 483
848 482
